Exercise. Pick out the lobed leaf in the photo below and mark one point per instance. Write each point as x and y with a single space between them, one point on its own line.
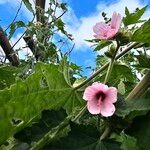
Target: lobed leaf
133 105
143 33
132 18
102 44
23 102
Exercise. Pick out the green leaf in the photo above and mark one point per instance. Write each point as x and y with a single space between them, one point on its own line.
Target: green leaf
93 40
121 72
133 105
25 100
121 88
7 76
143 33
28 5
101 60
128 142
48 121
102 44
132 18
83 138
63 6
140 129
60 24
143 61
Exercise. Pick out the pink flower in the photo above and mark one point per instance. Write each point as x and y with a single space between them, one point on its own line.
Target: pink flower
107 31
100 99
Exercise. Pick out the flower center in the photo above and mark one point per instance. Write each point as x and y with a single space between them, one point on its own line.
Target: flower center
100 95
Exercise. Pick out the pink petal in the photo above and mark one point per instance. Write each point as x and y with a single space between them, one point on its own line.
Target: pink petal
107 109
93 107
111 95
115 21
100 86
89 93
100 28
111 33
101 37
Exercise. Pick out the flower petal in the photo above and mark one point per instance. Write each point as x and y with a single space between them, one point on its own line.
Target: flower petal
101 37
89 93
100 27
107 109
93 107
100 86
111 33
115 21
111 95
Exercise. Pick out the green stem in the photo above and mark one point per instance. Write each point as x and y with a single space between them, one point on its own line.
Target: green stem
105 133
111 64
52 134
105 66
80 113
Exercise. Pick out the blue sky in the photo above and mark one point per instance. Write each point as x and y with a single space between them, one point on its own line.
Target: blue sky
82 15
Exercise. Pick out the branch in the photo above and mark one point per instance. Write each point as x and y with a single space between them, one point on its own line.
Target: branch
51 135
105 133
40 7
140 88
8 50
30 42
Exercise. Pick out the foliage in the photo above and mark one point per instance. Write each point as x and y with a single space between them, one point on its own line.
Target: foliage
46 86
28 5
132 18
142 34
83 137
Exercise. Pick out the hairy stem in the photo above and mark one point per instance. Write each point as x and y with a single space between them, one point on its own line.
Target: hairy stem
111 63
80 113
140 88
52 134
106 65
105 133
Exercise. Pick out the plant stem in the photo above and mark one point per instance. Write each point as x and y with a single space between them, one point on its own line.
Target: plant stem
105 66
140 88
111 64
105 133
80 113
48 137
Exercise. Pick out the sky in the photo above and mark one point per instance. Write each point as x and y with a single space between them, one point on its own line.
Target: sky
79 20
